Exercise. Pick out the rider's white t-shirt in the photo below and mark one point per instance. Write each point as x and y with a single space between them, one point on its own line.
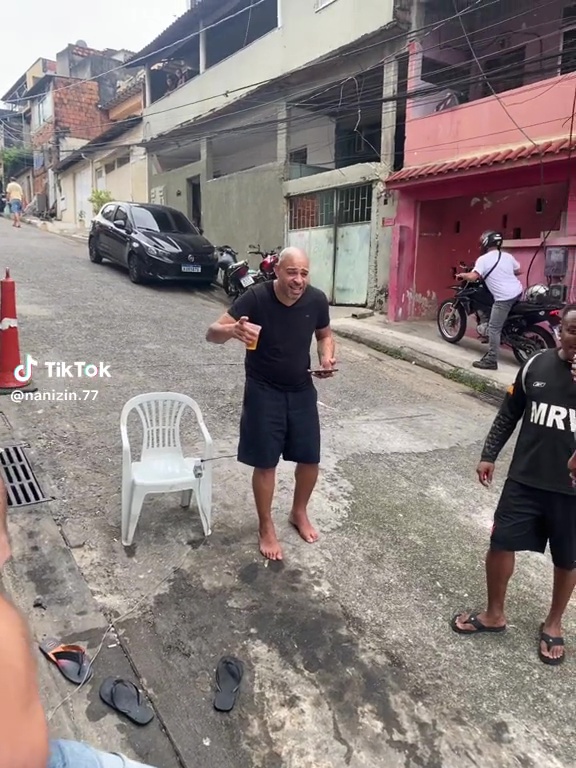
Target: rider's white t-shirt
502 282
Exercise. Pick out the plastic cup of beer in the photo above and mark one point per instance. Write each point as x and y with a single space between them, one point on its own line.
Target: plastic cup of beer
257 328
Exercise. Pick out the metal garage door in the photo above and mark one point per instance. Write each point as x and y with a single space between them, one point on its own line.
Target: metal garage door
334 228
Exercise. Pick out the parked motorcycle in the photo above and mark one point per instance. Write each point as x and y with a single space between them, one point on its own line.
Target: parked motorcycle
268 261
522 332
237 276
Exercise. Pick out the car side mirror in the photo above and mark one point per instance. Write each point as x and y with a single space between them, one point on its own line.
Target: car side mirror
119 224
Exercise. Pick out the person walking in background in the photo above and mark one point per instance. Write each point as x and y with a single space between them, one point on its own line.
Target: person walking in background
500 271
15 197
277 321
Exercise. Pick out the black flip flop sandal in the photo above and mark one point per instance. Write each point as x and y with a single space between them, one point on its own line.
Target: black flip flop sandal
71 660
479 627
124 697
229 674
551 642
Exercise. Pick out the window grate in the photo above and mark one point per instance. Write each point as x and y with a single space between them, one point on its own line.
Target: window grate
311 211
22 486
355 205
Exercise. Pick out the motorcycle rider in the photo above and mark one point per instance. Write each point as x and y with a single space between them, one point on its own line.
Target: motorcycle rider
500 271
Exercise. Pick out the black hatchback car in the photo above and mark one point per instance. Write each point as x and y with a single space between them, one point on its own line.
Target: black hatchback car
154 242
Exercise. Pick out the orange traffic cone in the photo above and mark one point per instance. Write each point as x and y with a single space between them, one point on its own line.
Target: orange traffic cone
10 361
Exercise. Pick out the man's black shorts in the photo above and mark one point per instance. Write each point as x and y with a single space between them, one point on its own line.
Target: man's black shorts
527 519
276 423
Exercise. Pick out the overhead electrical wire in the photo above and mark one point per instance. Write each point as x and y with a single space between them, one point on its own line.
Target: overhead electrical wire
423 92
258 122
259 125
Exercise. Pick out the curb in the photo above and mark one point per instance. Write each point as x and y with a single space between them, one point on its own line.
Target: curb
489 390
73 237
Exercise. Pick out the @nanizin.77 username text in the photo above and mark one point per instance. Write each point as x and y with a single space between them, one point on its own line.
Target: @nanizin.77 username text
18 396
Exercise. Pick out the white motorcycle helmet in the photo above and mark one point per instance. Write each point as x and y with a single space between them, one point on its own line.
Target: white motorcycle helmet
536 292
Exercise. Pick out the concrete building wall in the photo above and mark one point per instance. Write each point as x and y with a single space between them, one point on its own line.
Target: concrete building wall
245 208
260 148
315 133
309 29
488 123
127 181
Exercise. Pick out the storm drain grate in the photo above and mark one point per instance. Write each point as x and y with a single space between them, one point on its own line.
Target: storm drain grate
22 485
487 397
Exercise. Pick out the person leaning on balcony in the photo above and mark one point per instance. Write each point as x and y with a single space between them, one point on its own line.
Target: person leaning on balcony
500 271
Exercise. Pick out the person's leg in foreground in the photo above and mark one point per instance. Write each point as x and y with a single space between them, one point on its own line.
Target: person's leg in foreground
525 520
303 448
263 485
262 435
276 424
498 317
517 527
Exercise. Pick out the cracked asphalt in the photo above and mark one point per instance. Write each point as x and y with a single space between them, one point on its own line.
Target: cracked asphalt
349 657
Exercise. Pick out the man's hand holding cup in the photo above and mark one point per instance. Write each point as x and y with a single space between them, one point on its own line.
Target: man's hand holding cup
247 333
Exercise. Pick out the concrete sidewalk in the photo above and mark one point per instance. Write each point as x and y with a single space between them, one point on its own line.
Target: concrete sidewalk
58 228
420 344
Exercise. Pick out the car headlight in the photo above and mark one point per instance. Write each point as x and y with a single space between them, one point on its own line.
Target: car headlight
151 251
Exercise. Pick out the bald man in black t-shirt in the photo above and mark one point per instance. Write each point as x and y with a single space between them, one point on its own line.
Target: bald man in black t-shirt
280 408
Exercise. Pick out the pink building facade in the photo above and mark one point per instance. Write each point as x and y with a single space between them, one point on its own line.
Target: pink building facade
505 162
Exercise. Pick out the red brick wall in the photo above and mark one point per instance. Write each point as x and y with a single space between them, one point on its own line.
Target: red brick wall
76 109
76 115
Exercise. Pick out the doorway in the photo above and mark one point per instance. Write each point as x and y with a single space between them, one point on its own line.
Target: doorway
195 201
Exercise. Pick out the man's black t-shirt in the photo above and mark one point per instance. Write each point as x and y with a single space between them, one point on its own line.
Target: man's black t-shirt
282 357
544 397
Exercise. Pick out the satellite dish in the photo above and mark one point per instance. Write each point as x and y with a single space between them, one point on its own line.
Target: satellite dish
81 44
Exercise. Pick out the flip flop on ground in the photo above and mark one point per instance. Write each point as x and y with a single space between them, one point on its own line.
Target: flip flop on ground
473 619
551 642
71 660
229 674
124 697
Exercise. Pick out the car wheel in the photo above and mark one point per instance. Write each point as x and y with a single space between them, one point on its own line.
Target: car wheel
135 269
93 251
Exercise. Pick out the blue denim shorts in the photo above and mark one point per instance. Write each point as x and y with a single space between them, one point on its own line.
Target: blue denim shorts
16 206
73 754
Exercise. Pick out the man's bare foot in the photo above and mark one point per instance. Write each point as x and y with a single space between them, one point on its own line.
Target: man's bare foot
269 545
304 527
552 648
475 622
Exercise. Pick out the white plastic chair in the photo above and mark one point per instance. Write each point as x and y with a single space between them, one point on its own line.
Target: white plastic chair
163 468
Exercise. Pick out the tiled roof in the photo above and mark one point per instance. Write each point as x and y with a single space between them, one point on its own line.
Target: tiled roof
503 157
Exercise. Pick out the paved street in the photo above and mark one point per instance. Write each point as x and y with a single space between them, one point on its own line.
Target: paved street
350 658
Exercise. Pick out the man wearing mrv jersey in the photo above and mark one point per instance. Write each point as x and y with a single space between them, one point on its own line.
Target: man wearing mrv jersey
538 502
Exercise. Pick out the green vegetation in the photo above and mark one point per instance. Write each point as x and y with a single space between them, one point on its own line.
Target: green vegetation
98 198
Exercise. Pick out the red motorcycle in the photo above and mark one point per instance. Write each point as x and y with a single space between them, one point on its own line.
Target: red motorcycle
268 261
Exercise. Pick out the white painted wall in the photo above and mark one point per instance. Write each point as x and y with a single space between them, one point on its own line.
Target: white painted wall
307 33
129 182
315 132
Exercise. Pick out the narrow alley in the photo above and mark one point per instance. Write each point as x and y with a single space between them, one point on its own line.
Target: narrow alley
349 655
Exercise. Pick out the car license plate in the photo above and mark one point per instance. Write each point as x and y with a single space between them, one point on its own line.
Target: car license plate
191 268
246 281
